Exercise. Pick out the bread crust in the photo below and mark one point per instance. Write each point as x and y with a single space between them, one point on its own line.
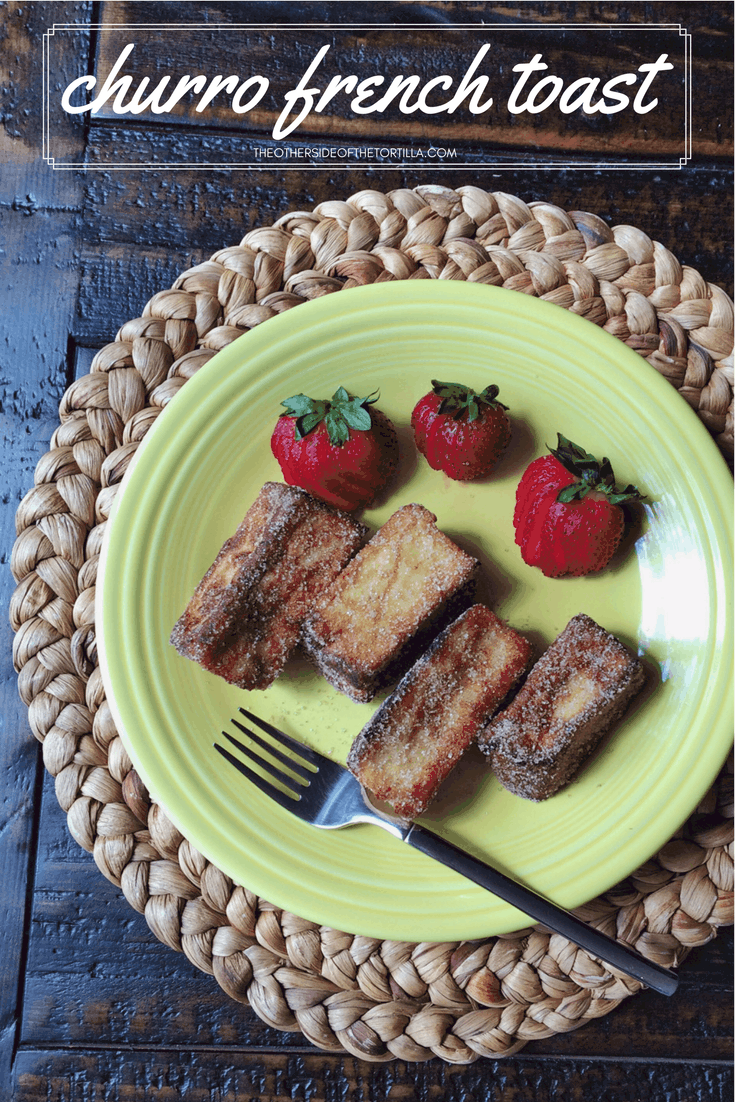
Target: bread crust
420 732
388 604
244 619
574 694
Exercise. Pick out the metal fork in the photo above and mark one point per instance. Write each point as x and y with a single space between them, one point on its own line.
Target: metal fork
323 793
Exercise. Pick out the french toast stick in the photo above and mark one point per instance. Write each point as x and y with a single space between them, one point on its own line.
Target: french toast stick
388 603
420 732
573 695
244 619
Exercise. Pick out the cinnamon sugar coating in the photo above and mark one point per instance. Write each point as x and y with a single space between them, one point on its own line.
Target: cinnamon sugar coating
244 619
573 695
420 732
387 605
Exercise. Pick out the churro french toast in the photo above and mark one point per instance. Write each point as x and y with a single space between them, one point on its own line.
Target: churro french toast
573 695
244 619
420 732
388 603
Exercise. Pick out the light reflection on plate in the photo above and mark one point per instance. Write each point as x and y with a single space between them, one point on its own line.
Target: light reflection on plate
676 613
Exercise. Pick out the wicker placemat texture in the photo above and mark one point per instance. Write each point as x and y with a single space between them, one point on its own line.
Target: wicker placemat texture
375 999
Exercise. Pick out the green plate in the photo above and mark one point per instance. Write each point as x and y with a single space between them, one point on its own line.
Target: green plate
666 595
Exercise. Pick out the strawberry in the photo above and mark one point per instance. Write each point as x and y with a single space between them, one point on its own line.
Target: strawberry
568 516
338 449
461 432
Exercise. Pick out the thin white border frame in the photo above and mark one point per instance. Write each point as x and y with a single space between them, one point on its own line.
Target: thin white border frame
302 166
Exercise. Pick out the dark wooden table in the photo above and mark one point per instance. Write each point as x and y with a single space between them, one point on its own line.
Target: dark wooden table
92 1006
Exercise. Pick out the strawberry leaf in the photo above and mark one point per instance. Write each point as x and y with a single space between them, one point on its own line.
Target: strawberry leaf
449 390
337 428
630 493
591 474
456 398
342 413
357 418
305 424
576 492
298 405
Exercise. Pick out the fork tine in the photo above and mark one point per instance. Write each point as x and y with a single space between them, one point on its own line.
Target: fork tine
275 771
297 767
289 802
284 739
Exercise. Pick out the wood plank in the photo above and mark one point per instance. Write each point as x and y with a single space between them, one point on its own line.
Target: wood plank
115 285
34 334
39 211
184 150
221 1076
96 974
142 235
429 50
27 178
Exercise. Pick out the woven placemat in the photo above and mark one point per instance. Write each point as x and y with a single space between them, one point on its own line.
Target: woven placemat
375 999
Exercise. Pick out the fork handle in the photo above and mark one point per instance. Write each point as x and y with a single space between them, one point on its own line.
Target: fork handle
555 918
